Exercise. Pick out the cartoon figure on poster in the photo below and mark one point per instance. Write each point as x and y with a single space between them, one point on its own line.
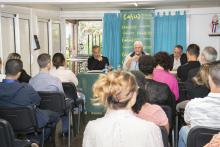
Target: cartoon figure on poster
215 23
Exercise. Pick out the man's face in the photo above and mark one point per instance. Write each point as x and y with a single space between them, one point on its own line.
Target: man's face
138 49
96 52
177 52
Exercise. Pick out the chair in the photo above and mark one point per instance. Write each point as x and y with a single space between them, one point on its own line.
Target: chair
28 124
7 136
71 92
170 116
56 101
199 136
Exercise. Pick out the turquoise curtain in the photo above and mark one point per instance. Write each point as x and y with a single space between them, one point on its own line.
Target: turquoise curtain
169 30
111 38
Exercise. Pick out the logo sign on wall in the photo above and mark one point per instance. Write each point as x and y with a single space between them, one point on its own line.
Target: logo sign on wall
136 25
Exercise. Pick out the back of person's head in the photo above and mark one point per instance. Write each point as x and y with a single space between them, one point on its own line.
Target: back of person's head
142 98
164 60
140 77
146 64
201 77
14 56
214 73
116 90
13 67
193 50
58 60
43 60
209 54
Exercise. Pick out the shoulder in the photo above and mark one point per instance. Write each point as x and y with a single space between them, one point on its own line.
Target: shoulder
27 87
194 102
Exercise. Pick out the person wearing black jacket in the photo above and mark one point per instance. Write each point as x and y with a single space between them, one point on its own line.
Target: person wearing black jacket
24 77
178 57
159 93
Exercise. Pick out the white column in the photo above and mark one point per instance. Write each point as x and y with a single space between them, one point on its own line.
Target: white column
17 34
1 49
50 46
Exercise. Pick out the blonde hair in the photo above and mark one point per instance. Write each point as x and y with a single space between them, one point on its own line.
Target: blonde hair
201 77
115 89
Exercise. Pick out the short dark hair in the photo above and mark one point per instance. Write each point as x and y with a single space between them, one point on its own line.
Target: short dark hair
58 60
214 72
163 59
13 67
142 98
193 49
95 46
43 60
146 64
14 56
179 46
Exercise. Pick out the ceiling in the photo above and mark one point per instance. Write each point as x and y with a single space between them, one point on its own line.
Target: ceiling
84 5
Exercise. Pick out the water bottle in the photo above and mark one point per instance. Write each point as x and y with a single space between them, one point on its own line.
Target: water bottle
106 68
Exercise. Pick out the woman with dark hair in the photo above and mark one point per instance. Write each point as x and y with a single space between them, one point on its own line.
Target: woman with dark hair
150 112
161 72
24 77
60 70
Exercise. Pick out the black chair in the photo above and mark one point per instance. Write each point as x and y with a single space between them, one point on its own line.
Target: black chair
7 136
56 101
199 136
22 119
170 116
71 92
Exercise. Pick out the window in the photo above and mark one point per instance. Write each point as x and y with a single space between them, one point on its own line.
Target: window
43 36
56 44
89 34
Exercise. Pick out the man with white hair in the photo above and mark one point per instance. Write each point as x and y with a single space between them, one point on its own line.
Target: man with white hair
131 60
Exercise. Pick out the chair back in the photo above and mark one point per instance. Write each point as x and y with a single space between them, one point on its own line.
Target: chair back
199 136
169 113
22 119
54 101
6 134
70 90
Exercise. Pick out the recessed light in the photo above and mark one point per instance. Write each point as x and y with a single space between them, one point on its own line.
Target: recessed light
135 4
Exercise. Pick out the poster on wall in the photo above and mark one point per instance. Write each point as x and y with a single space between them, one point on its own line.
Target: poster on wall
136 25
215 26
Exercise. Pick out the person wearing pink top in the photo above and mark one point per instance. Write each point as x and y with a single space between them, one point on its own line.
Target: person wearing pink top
161 73
150 112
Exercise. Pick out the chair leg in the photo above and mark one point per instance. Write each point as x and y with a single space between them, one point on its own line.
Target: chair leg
69 128
78 123
42 138
176 130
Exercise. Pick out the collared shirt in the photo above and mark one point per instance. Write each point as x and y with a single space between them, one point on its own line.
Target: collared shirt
64 75
43 81
176 63
121 128
203 111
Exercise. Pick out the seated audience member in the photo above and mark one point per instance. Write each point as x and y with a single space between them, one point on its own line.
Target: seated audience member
215 141
192 54
15 94
203 111
118 90
161 73
198 86
150 112
43 81
208 55
159 93
97 61
2 76
178 57
24 77
60 70
131 60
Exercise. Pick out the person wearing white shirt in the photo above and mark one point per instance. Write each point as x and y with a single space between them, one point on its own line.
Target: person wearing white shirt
203 111
60 70
131 60
119 127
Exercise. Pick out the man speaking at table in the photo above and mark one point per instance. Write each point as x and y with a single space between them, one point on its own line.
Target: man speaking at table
97 61
131 60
